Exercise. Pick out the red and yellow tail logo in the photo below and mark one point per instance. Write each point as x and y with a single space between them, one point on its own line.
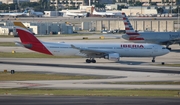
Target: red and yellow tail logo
27 38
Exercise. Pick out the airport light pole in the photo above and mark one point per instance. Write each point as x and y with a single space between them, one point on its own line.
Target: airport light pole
16 8
18 4
178 18
9 9
141 6
171 5
57 8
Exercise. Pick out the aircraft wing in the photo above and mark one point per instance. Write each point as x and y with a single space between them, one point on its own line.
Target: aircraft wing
174 41
92 53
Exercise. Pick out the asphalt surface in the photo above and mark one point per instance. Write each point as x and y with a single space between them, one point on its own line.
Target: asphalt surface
115 72
66 100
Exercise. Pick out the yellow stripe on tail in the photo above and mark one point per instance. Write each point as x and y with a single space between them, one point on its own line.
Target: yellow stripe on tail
20 24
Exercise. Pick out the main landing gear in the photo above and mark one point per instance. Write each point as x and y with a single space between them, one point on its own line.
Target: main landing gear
153 60
90 61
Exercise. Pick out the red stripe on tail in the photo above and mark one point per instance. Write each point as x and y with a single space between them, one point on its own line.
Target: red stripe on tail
28 38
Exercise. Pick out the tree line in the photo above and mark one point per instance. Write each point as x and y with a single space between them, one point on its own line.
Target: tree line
42 5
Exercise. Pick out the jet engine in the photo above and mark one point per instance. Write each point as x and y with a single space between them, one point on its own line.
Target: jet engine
112 56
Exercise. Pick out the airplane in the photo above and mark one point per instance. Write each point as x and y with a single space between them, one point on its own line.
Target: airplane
102 13
15 14
163 38
34 13
110 51
79 15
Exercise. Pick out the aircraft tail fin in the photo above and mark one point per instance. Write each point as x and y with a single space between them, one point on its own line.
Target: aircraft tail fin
25 11
25 35
94 11
28 40
128 27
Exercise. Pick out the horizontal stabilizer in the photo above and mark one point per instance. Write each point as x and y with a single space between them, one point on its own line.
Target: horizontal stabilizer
23 45
19 44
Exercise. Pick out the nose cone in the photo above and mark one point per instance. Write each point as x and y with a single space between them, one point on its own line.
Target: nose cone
126 37
165 51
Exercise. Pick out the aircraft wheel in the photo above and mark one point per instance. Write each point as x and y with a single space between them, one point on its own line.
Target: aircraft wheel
88 61
153 61
162 63
93 61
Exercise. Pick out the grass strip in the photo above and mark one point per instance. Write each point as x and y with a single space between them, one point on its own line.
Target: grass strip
6 36
171 65
30 55
89 92
148 83
24 76
7 44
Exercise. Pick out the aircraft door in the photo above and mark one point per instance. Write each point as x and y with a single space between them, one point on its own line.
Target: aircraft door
155 49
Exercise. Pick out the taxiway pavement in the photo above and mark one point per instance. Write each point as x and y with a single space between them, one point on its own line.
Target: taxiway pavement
83 100
116 72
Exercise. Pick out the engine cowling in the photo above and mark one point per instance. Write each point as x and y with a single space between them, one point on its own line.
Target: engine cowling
112 56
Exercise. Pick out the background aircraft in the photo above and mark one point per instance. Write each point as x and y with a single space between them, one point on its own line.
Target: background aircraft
163 38
15 14
34 13
110 51
78 15
103 13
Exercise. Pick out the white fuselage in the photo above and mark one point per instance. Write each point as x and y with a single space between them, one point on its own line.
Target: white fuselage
156 37
12 14
103 13
76 14
124 49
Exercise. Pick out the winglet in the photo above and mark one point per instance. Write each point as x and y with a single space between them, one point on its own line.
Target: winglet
20 24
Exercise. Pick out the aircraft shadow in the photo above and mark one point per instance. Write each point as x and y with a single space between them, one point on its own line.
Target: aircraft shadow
121 62
131 62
